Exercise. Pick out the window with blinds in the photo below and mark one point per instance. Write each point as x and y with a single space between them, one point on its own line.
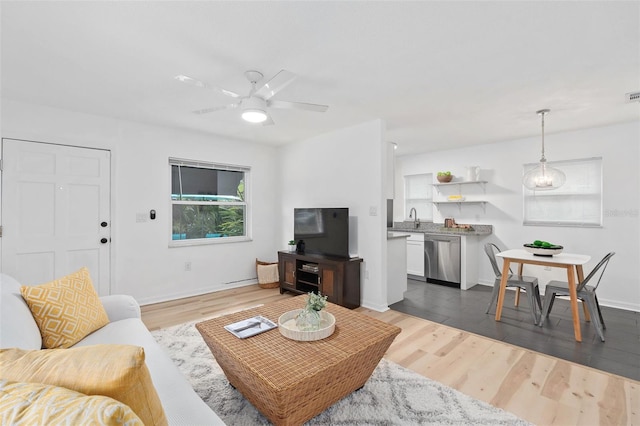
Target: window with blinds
576 203
208 201
418 194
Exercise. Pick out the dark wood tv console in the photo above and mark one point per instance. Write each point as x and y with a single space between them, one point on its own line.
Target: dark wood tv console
337 278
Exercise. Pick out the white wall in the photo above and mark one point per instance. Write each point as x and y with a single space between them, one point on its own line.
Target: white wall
501 164
344 168
142 263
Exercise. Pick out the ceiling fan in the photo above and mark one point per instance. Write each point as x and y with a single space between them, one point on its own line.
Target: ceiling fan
255 105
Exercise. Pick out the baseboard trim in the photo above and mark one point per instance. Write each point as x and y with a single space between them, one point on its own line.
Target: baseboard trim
196 292
374 306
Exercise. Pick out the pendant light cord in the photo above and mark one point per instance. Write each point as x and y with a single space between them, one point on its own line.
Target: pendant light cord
542 112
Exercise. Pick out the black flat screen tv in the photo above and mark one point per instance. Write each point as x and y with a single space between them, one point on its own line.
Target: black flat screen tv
322 230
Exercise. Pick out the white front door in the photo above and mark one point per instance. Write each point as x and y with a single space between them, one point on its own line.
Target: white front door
55 212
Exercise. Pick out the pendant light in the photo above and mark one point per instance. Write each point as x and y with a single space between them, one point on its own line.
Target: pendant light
543 177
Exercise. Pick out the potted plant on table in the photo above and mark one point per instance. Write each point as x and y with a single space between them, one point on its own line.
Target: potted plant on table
292 246
309 318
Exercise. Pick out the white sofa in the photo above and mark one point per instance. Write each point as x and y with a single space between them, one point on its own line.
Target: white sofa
182 406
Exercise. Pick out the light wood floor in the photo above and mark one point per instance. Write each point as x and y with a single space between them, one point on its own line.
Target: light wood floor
538 388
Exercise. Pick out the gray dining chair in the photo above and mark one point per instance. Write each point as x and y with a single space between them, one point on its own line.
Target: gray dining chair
586 293
522 282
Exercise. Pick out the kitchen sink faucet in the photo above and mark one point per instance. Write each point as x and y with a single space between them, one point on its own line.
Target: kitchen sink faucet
413 212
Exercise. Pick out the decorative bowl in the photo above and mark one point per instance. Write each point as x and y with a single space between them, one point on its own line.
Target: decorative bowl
543 251
444 178
288 328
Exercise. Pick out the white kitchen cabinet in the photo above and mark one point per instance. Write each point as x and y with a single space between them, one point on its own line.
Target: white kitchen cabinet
415 255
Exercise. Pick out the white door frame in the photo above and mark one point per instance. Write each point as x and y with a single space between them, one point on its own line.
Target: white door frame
111 182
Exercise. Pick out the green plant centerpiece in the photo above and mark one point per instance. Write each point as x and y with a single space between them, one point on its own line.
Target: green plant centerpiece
309 318
292 245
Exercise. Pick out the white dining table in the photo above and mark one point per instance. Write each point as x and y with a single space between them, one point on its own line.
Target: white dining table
567 261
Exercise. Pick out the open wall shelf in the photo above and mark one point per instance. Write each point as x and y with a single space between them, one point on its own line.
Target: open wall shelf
460 203
459 186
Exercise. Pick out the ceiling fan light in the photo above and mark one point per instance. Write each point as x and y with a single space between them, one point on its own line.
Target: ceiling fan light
254 110
254 115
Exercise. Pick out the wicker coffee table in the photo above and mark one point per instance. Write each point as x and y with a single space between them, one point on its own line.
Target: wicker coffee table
288 381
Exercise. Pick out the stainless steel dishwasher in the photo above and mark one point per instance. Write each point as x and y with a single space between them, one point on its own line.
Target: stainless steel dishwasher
442 259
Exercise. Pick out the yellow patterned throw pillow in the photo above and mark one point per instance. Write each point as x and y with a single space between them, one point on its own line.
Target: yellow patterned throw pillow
116 371
66 310
39 404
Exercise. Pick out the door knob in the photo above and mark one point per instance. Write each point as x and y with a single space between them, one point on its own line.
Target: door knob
104 241
103 224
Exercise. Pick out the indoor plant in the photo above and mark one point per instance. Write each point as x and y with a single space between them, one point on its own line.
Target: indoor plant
444 177
309 318
292 245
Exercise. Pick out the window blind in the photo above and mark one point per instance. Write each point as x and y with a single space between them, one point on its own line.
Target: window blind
419 195
576 203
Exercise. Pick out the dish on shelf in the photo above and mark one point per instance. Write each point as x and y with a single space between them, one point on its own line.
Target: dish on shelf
543 251
455 198
288 328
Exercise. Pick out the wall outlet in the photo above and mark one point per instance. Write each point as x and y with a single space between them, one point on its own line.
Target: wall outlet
187 266
547 268
373 211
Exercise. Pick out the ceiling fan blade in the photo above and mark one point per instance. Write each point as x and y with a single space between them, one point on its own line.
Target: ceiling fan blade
214 109
198 83
298 105
277 83
268 122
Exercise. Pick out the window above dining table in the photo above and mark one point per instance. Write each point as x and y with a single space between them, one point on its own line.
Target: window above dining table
576 203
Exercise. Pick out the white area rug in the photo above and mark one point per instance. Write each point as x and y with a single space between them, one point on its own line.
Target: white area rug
392 396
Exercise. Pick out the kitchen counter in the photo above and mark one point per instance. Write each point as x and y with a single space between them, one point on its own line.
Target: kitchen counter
470 248
395 234
438 228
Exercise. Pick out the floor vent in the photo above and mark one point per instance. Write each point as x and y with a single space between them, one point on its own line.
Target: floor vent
633 97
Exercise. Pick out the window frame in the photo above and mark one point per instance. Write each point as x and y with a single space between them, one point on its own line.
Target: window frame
428 177
246 203
564 195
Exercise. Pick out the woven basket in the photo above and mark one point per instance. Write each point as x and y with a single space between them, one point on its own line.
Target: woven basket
266 275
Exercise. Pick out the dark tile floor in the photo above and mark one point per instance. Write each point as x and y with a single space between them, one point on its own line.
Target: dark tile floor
619 354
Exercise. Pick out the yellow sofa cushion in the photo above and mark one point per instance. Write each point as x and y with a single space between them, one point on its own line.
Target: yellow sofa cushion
66 309
116 371
39 404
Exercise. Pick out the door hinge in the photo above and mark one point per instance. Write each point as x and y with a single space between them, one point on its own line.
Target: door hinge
1 165
0 231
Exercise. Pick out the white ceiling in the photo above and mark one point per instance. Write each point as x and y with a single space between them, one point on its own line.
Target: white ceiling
440 74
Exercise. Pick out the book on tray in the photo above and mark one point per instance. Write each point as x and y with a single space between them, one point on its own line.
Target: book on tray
250 326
